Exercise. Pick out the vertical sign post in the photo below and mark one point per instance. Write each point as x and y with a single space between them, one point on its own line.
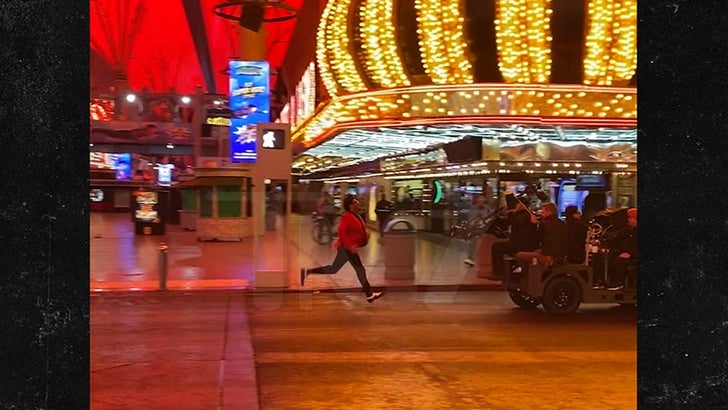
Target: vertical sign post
272 211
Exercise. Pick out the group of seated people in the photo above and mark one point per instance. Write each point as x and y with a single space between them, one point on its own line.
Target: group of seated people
552 240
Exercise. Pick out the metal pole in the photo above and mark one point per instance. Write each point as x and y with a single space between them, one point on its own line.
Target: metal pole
162 264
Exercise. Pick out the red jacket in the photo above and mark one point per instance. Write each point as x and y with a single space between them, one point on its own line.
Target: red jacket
352 231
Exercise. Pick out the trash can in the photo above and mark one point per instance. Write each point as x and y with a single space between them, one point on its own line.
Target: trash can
399 249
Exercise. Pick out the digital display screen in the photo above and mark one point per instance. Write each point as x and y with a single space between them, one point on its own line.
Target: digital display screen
249 101
568 195
122 167
164 174
146 206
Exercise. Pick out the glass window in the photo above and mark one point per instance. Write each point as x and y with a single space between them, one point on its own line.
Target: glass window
189 200
206 202
228 201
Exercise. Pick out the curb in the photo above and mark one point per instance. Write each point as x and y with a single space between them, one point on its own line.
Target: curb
388 289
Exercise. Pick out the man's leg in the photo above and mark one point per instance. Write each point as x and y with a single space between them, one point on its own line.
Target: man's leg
335 266
332 220
497 251
361 272
473 247
617 271
526 258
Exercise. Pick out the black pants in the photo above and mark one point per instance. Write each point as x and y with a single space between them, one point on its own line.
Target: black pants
497 251
343 256
618 269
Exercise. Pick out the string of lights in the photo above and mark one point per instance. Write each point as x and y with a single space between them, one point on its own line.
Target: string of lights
377 29
523 40
333 53
611 42
442 42
576 103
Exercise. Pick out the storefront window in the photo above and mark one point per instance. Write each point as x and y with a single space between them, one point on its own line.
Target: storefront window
206 202
228 201
189 200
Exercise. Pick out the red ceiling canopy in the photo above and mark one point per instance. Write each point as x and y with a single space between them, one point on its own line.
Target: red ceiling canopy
152 44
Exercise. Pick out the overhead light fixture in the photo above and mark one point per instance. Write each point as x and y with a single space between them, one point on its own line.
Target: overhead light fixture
131 98
251 17
252 12
185 100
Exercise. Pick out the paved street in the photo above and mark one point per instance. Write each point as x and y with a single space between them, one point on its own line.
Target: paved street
437 350
422 346
333 350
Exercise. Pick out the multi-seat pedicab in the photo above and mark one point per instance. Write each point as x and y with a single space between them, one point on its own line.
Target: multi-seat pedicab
562 287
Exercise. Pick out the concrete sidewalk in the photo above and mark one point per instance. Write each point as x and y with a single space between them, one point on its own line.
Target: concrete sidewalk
171 350
123 261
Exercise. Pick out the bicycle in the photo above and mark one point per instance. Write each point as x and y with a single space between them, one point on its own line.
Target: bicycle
322 231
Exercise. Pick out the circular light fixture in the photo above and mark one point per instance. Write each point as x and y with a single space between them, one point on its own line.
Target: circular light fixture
253 13
185 100
131 98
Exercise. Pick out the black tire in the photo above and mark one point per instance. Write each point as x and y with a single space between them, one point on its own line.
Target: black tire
320 234
562 295
523 300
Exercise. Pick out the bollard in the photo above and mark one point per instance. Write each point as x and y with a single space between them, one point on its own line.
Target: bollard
162 266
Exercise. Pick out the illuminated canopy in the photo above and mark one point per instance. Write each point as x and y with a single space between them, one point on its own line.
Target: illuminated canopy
501 103
362 145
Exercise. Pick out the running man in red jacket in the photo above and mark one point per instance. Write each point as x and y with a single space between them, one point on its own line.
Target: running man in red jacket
352 236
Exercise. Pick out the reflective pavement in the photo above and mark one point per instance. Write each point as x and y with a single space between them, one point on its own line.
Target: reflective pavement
123 261
190 347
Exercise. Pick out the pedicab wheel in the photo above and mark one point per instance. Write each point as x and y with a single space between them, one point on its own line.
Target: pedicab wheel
320 234
562 295
523 300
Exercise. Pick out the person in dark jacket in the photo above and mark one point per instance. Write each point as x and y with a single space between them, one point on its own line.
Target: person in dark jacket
576 246
383 210
352 236
553 237
478 211
523 237
625 253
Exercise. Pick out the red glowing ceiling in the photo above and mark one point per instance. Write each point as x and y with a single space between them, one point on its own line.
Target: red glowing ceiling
152 43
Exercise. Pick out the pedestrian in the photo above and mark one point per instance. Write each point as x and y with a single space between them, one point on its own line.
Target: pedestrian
476 215
325 207
383 210
352 236
576 252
